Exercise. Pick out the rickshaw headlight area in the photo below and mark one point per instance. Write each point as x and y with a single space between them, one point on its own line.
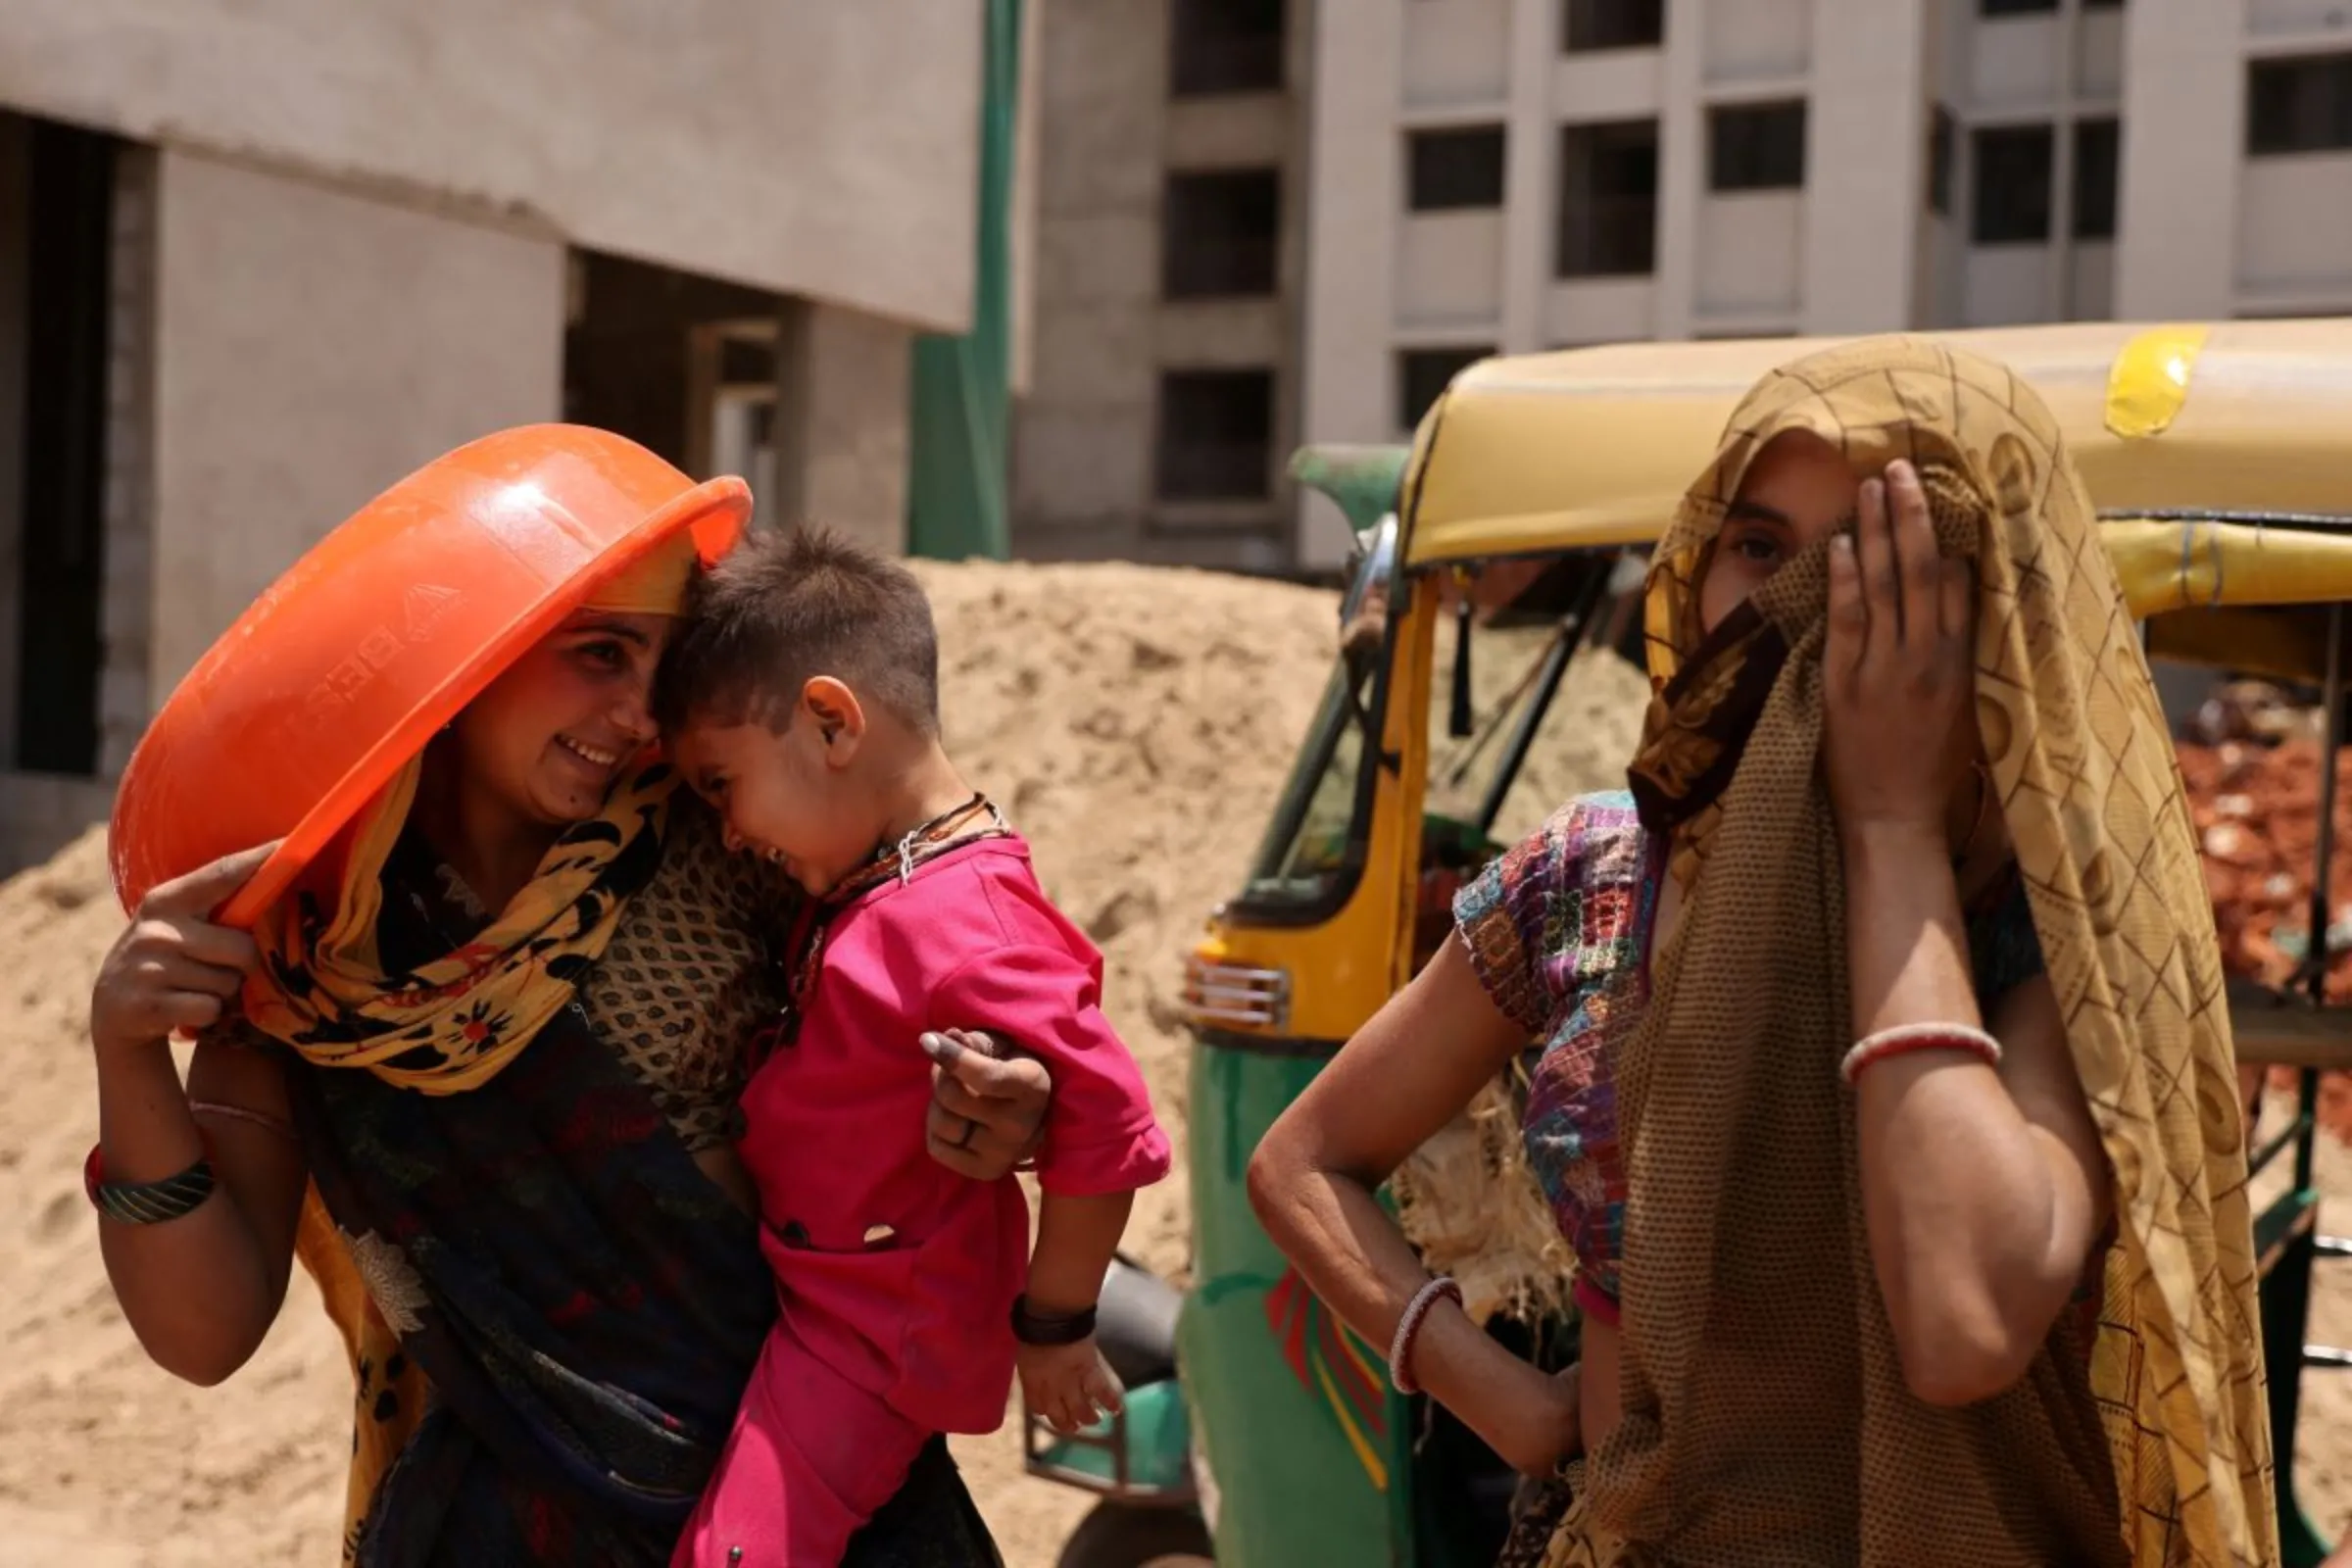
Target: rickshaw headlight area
1228 996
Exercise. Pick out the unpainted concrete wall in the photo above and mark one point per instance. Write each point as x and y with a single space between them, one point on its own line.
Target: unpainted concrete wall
1086 428
826 149
310 348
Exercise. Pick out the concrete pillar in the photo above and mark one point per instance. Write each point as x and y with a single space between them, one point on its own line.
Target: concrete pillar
1531 173
841 427
2183 157
311 347
1083 431
1355 153
1681 169
1027 127
125 624
1862 205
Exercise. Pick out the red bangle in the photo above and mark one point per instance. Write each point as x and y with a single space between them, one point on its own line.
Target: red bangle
1901 1041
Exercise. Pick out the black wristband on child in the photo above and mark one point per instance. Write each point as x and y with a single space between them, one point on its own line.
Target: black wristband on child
1036 1328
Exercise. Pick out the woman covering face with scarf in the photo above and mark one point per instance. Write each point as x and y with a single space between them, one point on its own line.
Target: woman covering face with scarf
1886 1097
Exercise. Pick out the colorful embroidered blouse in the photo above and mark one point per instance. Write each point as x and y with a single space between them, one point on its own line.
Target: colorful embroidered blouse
1558 931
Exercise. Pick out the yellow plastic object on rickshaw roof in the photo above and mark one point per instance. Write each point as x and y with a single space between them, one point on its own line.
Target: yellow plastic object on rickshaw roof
2228 423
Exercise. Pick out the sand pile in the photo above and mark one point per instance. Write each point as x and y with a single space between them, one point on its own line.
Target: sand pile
104 1459
1135 723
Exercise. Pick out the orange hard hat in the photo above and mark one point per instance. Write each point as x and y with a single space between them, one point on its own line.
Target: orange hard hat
345 666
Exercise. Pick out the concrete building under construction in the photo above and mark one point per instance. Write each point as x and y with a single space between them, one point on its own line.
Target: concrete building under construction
259 258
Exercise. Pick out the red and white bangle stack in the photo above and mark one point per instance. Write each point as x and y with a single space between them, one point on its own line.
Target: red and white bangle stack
1408 1328
1902 1041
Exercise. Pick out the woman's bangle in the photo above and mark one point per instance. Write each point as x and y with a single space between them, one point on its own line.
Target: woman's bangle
1408 1328
252 1118
1905 1038
146 1202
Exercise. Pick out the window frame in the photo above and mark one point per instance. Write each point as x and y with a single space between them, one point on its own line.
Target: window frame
1597 210
1165 455
1419 172
2337 59
1210 78
1613 39
1460 356
2102 230
1944 160
1977 137
1725 178
1232 279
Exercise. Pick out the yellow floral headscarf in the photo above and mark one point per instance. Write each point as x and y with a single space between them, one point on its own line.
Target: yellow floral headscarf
451 1024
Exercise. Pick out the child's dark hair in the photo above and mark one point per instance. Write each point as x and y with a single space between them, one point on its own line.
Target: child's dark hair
787 605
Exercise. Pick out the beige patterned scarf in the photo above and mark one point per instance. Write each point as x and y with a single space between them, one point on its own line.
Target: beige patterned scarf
1766 1418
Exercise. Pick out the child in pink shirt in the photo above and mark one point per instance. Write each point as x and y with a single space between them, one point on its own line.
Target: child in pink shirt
800 699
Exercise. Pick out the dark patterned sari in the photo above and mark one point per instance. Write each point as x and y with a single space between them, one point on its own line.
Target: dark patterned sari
584 1302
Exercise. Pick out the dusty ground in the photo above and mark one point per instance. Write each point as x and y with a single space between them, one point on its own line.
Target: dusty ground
1135 723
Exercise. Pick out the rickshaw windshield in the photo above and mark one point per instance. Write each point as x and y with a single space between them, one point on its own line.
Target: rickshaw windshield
1546 692
1307 861
1310 856
1540 629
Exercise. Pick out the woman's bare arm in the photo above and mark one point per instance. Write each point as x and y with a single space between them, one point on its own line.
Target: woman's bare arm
1403 1077
1983 1188
199 1290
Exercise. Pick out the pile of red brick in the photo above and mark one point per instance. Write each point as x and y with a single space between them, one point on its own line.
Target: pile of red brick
2255 809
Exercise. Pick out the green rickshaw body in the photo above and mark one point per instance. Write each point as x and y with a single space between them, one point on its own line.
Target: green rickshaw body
1297 1421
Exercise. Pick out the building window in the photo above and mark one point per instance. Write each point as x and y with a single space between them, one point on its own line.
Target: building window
2102 5
1941 148
1226 46
1216 435
1596 24
1608 200
1756 147
2098 144
2299 106
1451 169
2015 8
1219 233
2012 186
1423 374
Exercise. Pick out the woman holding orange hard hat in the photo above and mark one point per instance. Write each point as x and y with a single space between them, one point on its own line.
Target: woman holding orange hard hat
470 1018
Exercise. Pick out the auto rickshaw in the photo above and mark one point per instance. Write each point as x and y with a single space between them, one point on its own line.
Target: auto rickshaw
1498 568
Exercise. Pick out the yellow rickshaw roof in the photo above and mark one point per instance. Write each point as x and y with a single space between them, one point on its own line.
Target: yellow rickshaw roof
1594 447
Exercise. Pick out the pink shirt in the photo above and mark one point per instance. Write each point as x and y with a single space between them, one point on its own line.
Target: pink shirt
893 1270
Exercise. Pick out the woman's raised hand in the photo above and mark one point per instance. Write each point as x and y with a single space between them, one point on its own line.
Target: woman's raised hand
1898 671
172 968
